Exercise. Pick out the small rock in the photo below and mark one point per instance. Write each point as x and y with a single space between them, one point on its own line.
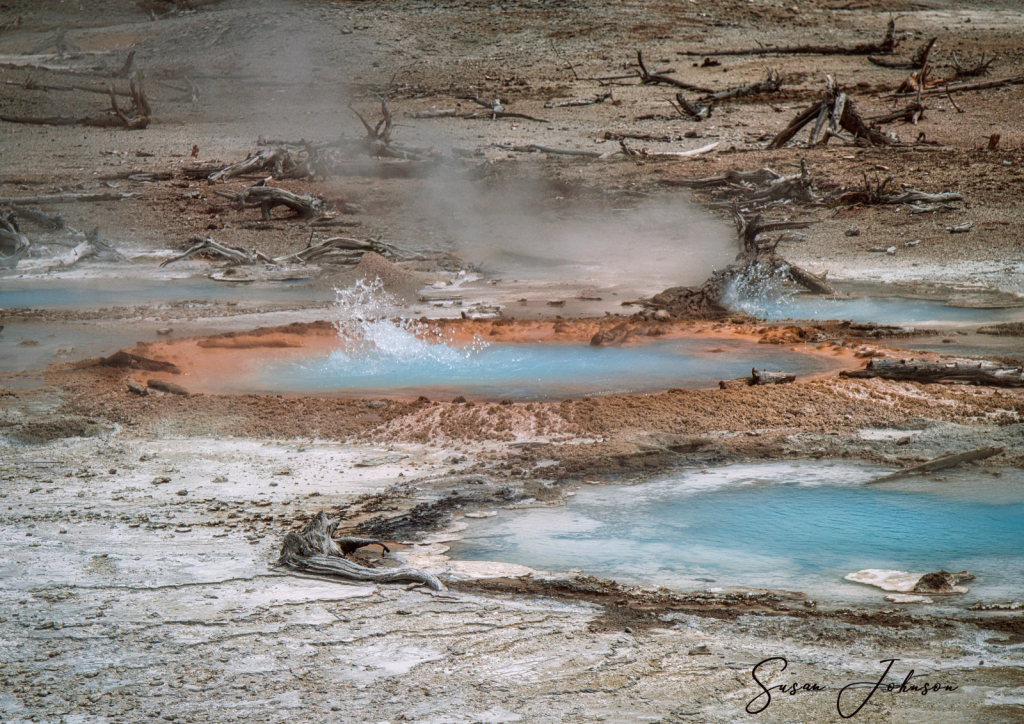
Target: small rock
459 400
182 492
853 231
691 134
891 251
960 228
220 479
942 582
137 389
165 331
662 315
161 480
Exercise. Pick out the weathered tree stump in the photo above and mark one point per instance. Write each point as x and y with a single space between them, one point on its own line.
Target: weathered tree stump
315 550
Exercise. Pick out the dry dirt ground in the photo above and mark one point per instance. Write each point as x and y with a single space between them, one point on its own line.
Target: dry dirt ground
125 600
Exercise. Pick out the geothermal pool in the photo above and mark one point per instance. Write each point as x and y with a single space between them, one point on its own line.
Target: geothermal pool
790 526
525 371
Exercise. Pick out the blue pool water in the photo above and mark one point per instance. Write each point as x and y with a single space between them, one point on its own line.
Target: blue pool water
787 526
880 310
529 371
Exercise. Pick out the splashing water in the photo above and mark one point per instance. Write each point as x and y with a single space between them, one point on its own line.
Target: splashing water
759 293
375 337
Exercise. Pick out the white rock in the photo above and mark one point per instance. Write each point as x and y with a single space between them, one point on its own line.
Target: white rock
907 598
887 580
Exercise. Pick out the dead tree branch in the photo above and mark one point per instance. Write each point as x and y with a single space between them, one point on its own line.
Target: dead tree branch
833 115
982 68
962 87
648 78
690 110
14 245
771 85
872 195
919 59
599 98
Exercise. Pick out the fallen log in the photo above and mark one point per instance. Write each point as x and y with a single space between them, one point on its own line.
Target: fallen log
943 462
345 250
169 387
267 197
39 218
535 148
127 360
729 178
206 245
977 372
315 550
637 136
339 249
118 118
29 84
263 160
910 114
884 47
668 154
577 102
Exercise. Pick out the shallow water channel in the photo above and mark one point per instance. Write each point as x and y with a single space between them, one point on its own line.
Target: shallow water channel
112 292
879 310
791 526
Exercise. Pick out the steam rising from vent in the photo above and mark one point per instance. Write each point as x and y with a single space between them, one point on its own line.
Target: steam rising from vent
537 229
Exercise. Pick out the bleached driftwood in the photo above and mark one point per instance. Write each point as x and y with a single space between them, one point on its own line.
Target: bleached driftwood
943 462
978 372
315 550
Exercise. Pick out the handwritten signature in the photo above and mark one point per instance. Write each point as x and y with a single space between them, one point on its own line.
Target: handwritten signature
847 707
